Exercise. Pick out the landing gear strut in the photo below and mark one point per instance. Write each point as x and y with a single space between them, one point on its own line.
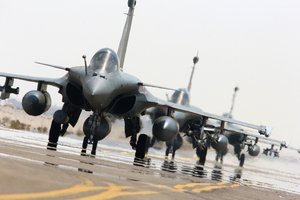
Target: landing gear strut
95 128
173 145
61 120
242 160
132 128
240 157
201 153
219 156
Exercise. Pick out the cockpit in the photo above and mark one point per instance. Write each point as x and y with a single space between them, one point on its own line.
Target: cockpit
105 61
180 96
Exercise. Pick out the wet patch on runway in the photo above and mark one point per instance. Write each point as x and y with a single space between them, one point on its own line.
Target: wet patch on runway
223 176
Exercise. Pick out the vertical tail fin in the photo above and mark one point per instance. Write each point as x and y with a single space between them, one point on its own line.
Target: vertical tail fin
126 32
233 100
195 61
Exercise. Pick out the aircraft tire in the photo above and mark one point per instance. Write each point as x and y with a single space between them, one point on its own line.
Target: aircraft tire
242 160
53 135
142 146
201 153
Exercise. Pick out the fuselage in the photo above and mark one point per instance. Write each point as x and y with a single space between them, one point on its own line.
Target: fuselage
182 97
102 82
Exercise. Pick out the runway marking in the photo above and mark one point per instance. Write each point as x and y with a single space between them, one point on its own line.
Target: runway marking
163 187
107 192
86 186
235 185
114 191
196 187
182 187
211 187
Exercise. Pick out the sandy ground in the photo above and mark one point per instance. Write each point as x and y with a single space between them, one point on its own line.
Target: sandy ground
10 112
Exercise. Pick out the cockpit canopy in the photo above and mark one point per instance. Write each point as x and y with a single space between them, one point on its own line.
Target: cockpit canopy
181 96
105 60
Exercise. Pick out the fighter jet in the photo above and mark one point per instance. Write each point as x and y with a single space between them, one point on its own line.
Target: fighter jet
180 96
190 126
239 140
274 150
105 89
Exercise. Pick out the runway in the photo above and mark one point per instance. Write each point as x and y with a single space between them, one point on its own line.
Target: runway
29 171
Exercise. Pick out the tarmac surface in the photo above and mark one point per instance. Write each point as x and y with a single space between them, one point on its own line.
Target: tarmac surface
29 171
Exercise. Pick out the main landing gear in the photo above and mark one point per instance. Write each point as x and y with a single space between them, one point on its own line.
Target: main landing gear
61 120
240 157
132 128
141 150
173 145
95 128
141 146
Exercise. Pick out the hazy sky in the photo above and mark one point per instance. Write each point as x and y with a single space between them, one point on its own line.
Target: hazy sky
254 44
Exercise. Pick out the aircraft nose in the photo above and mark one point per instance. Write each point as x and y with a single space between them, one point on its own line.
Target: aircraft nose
97 92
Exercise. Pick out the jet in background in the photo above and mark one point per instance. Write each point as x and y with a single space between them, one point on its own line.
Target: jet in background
105 89
240 140
276 147
180 96
190 126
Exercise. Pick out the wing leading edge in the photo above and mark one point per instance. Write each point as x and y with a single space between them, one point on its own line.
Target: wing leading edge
263 130
49 81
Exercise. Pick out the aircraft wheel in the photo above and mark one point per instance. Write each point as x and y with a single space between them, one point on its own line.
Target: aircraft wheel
142 146
242 160
53 135
201 153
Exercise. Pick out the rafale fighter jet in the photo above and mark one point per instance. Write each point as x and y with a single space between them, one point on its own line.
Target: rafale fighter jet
103 88
189 126
180 96
273 150
240 139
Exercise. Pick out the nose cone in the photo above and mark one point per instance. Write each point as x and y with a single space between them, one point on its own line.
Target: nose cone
97 92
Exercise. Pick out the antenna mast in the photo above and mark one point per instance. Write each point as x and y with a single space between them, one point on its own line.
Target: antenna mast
233 99
195 61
